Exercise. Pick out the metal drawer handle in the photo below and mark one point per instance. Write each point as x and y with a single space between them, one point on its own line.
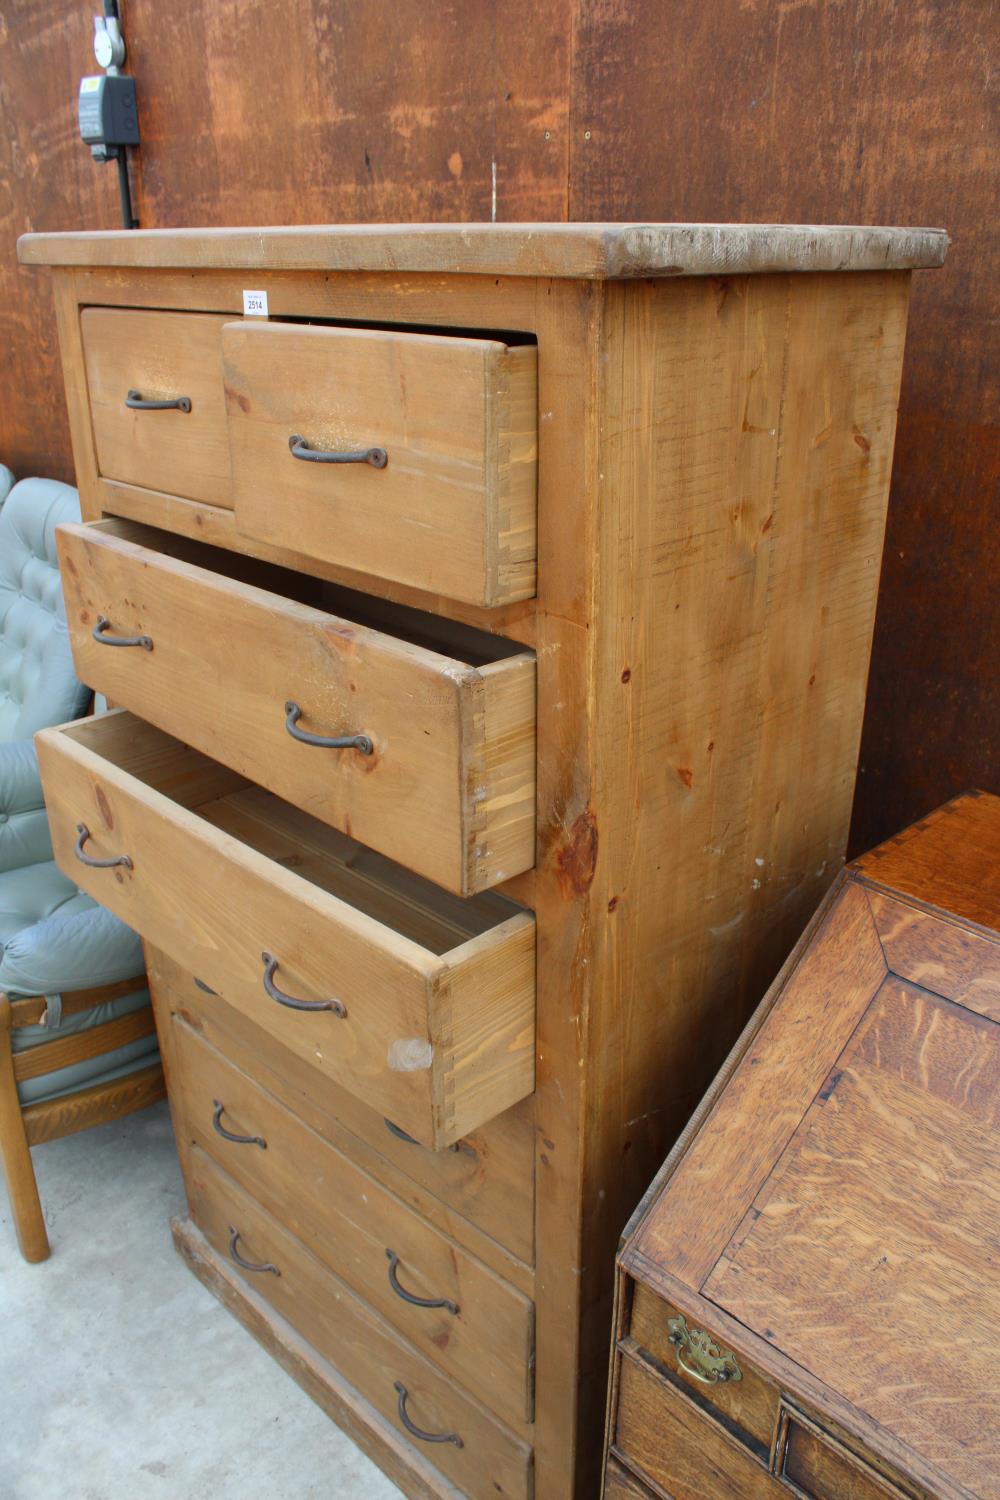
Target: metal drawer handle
411 1140
270 964
205 988
135 402
377 457
227 1135
248 1265
102 639
83 834
327 742
393 1259
699 1355
418 1432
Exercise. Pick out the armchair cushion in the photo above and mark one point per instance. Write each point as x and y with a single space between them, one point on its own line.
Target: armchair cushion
24 828
37 682
73 944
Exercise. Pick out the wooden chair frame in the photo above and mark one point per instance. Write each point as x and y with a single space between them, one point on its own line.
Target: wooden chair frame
24 1126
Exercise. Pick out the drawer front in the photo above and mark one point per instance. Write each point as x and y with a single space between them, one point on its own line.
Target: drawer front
816 1465
487 1461
662 1435
487 1178
452 508
157 357
459 1314
439 1042
750 1405
620 1484
445 783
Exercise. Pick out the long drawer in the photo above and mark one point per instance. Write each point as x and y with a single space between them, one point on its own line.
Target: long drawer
459 1314
481 1457
485 1180
425 752
420 1003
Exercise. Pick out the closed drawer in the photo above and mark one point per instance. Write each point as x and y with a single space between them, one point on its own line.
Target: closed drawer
142 357
480 1456
452 508
426 1002
619 1484
486 1178
464 1318
444 781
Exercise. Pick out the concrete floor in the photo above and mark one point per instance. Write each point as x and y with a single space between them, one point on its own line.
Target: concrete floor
121 1377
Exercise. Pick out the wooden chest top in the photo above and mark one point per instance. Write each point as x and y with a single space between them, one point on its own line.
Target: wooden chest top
833 1211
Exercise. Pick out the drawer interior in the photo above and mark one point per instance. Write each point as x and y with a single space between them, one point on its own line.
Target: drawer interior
395 897
451 638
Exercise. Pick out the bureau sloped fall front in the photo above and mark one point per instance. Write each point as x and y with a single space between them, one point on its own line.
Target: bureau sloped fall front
568 537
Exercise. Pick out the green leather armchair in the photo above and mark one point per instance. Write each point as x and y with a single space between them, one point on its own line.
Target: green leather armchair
77 1040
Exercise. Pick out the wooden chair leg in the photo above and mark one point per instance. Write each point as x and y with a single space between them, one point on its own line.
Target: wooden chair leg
22 1189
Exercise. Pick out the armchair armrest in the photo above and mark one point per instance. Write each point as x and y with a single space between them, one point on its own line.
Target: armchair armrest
78 951
24 827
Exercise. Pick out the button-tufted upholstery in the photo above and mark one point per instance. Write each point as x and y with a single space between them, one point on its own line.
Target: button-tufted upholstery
37 683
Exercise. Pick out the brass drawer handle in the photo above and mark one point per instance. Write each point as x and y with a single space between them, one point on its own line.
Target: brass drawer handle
418 1432
270 964
700 1356
393 1259
100 635
377 457
327 742
135 402
248 1265
227 1135
83 834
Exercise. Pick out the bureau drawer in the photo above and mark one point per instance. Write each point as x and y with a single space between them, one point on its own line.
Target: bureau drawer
445 779
486 1179
481 1457
472 1324
451 422
419 1002
143 357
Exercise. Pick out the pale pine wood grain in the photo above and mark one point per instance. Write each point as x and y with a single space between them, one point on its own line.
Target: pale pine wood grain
19 1174
568 250
162 356
493 1462
479 1192
454 507
51 1119
349 1221
219 904
63 1052
449 787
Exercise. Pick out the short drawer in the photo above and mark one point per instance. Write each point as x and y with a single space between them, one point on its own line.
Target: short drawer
446 500
478 1454
419 1002
156 400
439 768
458 1313
487 1178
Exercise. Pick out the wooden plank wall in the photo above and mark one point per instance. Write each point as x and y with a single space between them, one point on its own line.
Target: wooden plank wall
873 111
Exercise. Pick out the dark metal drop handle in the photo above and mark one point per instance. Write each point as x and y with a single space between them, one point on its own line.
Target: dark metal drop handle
377 457
411 1140
418 1432
327 742
248 1265
227 1135
270 965
102 639
135 402
444 1302
82 835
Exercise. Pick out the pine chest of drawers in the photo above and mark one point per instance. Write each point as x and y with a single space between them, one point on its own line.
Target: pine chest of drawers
809 1297
488 628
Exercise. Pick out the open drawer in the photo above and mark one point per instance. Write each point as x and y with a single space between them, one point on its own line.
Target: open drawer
420 1003
414 735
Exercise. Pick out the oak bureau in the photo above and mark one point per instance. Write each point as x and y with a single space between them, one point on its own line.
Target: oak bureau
487 627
